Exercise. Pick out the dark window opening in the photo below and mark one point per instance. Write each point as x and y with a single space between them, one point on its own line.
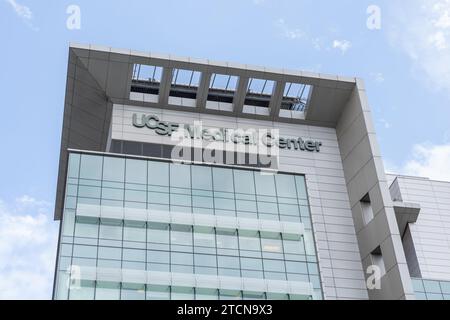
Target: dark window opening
144 89
220 97
165 152
184 93
257 102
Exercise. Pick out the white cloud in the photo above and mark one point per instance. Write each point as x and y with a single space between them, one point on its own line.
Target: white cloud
28 240
385 123
23 12
377 76
426 160
317 42
421 29
443 21
431 161
342 45
258 2
288 32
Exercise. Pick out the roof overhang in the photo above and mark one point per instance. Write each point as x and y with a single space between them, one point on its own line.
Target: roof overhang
405 213
99 77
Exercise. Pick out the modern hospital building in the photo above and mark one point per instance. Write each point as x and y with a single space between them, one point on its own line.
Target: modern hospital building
183 178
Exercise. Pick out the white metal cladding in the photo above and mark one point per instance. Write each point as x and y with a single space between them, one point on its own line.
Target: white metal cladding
190 219
195 281
431 233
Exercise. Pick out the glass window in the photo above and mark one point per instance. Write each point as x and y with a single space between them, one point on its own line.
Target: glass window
201 178
249 242
181 268
135 205
313 268
84 292
274 265
445 287
181 258
204 237
268 207
158 197
70 203
181 235
244 181
134 195
105 263
252 274
223 180
158 292
293 247
134 232
434 296
109 253
158 256
226 204
181 293
112 193
205 260
254 296
202 202
160 267
301 187
91 167
296 267
158 173
277 296
206 294
158 233
66 249
132 292
84 262
271 245
74 165
89 192
68 222
274 275
421 296
71 190
431 286
180 200
286 186
113 169
84 251
107 291
288 209
244 205
228 262
251 264
86 229
111 231
265 184
180 176
227 239
418 285
134 255
309 243
230 295
136 171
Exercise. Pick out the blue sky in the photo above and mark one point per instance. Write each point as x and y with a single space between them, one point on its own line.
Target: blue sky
406 66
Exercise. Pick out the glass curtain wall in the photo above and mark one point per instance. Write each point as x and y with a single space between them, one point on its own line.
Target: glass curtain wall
149 246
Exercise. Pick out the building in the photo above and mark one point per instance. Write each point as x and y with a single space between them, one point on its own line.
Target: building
426 237
183 178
